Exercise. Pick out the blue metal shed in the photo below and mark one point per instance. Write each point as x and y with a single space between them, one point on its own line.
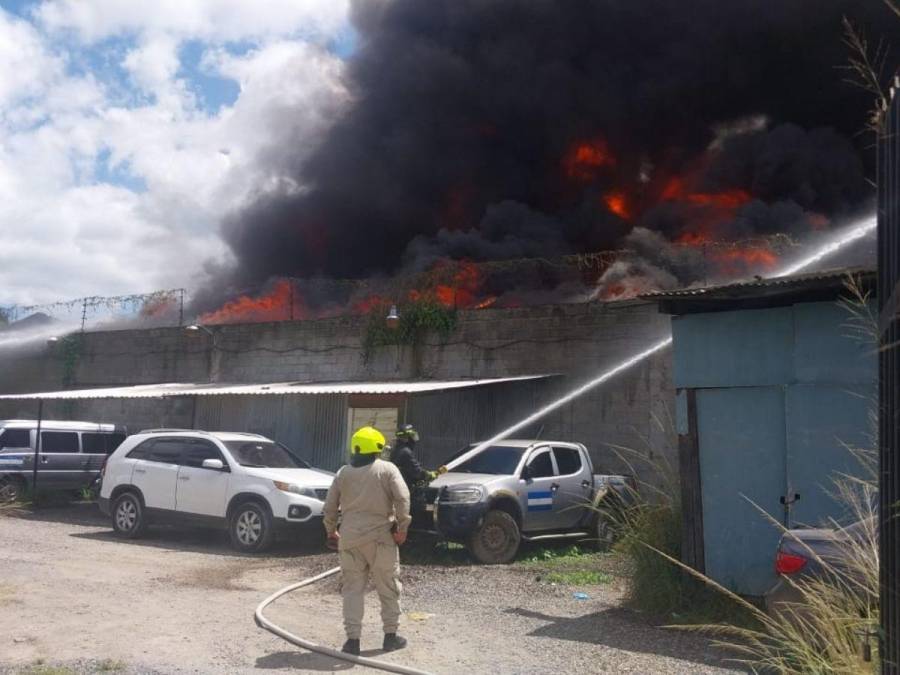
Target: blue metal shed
772 391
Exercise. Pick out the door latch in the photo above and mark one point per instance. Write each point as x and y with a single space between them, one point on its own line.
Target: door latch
787 503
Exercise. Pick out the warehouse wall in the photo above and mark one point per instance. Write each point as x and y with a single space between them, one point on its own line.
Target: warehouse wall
573 341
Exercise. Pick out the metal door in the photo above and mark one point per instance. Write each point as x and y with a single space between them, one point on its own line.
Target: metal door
819 454
95 448
156 473
539 492
573 497
742 458
201 491
61 461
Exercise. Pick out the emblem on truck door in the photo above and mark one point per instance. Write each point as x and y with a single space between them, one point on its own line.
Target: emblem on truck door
540 501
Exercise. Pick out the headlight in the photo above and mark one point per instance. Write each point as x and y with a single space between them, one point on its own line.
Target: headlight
295 489
464 494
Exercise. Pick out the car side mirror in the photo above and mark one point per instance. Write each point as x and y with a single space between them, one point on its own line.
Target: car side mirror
216 464
526 473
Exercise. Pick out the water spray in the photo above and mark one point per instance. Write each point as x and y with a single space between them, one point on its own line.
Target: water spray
844 238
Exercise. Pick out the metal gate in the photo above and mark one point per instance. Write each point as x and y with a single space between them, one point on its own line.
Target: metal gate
889 390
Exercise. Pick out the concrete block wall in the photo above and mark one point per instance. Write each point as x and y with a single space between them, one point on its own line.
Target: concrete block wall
575 341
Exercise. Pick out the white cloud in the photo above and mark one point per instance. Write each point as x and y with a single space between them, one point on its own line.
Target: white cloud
26 67
211 20
100 197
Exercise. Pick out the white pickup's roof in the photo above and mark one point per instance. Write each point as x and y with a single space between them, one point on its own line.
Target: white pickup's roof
273 388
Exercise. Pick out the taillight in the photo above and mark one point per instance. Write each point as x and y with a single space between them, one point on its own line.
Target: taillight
103 469
788 563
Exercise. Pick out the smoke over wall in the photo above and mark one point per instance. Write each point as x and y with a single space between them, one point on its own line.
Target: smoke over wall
491 129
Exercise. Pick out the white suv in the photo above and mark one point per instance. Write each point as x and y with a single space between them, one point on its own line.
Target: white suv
246 482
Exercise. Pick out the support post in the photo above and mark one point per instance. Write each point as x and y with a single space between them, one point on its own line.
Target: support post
888 180
37 454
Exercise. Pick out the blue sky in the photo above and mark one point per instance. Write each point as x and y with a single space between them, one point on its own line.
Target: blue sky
129 130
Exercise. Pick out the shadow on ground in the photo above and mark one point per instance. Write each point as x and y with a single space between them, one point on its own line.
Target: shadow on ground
210 541
306 661
302 661
71 513
622 629
204 540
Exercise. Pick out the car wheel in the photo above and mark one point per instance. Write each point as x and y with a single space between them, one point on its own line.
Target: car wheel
128 519
497 540
12 489
251 528
605 531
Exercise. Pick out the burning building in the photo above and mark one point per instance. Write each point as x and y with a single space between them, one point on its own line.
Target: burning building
493 131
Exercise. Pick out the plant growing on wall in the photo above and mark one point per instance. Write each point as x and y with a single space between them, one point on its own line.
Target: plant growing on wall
70 348
417 318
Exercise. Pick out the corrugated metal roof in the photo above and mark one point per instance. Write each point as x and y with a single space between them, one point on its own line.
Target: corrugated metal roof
825 278
273 388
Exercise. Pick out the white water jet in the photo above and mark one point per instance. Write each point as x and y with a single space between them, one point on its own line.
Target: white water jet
15 339
844 238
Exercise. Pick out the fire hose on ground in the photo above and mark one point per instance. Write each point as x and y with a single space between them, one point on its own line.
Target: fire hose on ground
275 629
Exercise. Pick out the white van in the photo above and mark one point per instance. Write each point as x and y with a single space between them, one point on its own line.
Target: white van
72 454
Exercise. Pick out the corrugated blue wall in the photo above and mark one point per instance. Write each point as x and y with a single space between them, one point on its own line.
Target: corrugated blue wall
782 393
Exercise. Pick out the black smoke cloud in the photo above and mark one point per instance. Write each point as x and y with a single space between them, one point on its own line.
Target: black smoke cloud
464 109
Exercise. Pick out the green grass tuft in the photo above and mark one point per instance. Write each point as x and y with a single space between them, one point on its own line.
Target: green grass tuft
549 553
40 668
109 666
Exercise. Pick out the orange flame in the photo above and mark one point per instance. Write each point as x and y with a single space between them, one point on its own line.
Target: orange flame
693 238
489 301
584 159
273 306
727 199
736 260
617 203
463 291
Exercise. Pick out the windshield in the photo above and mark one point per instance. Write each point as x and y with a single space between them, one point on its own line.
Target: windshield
499 460
264 455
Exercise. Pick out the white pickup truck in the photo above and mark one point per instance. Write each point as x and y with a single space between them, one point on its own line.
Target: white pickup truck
520 490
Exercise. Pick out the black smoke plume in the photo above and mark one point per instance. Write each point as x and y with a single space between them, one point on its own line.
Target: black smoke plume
465 111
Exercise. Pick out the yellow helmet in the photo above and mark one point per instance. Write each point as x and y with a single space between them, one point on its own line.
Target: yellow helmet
367 441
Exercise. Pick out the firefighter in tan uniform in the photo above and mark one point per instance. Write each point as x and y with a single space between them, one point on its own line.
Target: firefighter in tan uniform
373 502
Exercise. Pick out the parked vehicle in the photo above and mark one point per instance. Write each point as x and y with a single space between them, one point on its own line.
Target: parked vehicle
817 553
246 483
71 454
524 490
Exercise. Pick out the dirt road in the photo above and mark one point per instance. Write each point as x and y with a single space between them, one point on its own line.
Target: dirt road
180 601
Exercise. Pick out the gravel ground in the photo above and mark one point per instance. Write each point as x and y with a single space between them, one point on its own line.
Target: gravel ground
77 600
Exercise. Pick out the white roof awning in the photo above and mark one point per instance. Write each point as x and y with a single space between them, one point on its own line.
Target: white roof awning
273 388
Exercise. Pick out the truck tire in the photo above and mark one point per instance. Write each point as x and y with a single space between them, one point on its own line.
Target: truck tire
251 527
128 518
12 489
497 540
605 533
